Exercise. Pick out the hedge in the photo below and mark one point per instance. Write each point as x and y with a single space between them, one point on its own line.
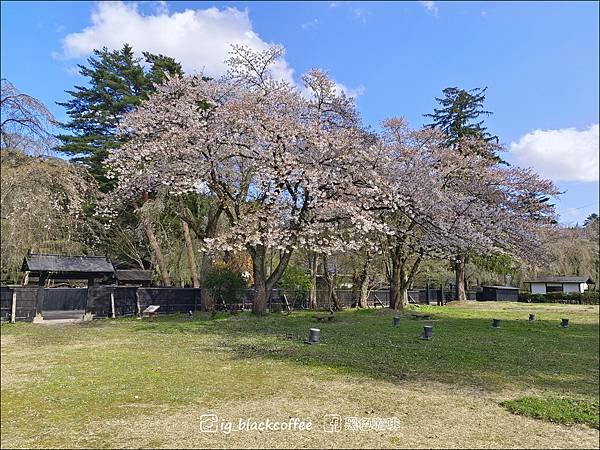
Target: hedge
580 298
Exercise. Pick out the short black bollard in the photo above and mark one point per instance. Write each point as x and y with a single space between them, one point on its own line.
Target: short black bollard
396 321
427 332
313 336
532 317
564 323
496 323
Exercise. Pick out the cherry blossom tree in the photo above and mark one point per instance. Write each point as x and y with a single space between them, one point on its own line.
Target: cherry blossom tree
441 203
280 160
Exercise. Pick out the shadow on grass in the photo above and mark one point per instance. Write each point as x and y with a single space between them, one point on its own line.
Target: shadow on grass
539 355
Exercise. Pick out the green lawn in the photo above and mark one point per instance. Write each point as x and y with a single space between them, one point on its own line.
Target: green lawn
132 383
561 410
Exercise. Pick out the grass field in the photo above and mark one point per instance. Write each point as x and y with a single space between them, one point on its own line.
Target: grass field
131 383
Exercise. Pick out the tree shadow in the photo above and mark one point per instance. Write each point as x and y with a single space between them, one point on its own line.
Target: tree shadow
464 351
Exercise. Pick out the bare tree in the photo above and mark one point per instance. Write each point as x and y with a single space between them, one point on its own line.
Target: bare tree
26 123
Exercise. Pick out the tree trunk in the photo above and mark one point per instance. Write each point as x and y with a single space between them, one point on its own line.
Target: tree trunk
154 245
261 297
403 296
312 294
364 286
460 278
363 298
190 254
263 284
208 303
157 254
396 284
214 212
334 301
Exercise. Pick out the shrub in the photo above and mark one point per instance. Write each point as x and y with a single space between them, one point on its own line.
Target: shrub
583 298
555 297
524 297
539 298
590 297
295 280
226 284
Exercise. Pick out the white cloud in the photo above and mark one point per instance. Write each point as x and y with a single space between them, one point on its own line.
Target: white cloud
562 155
351 92
200 39
430 7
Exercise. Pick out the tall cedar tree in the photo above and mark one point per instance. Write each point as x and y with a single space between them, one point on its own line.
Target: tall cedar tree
118 83
458 117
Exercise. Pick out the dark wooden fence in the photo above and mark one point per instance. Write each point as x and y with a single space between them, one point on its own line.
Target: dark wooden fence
99 301
96 300
132 300
64 299
25 303
348 298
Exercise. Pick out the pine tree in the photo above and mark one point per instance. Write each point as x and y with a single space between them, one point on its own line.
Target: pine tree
117 84
458 117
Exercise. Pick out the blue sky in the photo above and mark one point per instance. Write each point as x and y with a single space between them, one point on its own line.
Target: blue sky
538 60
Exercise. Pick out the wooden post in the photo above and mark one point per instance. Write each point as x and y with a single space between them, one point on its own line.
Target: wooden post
39 299
13 308
137 301
89 304
287 304
112 303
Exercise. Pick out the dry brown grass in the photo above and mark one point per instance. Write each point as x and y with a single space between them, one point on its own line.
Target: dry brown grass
431 415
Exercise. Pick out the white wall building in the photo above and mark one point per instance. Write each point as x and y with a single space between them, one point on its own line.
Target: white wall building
544 285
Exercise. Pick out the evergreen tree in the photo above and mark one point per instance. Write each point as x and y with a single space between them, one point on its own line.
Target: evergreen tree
458 116
117 83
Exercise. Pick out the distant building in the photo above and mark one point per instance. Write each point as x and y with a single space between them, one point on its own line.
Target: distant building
544 285
500 293
134 277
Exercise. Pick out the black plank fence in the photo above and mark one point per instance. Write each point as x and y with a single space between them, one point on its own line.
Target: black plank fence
25 301
64 299
133 300
109 301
